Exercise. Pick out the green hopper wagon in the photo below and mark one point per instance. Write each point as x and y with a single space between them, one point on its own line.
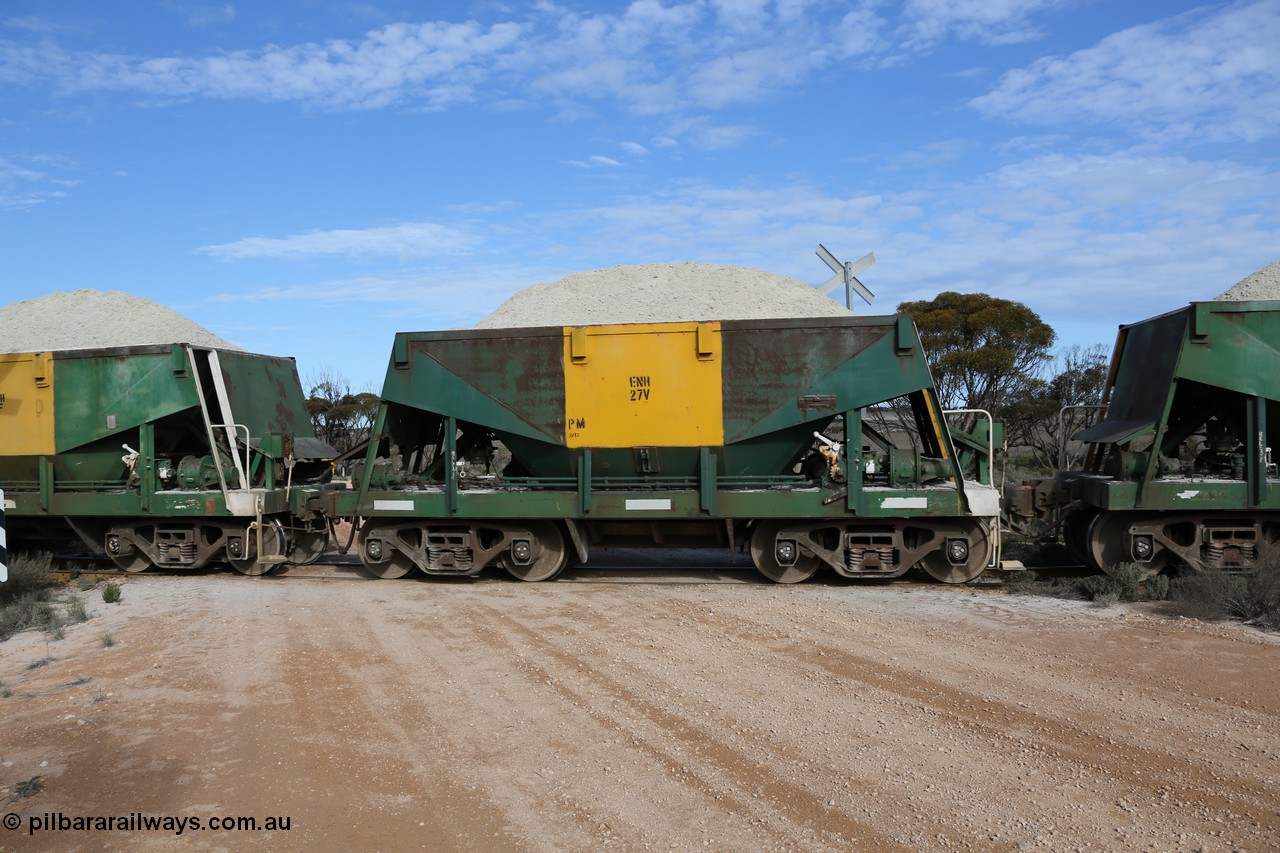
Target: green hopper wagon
809 442
170 456
1180 469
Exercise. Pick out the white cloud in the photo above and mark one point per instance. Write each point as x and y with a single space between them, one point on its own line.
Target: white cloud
409 240
745 75
433 298
1121 236
595 161
415 286
1213 73
35 24
1079 238
474 208
744 15
702 133
201 14
432 64
649 57
29 180
635 149
1088 241
933 153
995 22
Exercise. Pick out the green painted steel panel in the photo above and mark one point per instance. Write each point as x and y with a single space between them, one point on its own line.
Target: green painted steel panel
509 380
1148 358
101 394
684 504
1199 495
770 365
1105 493
266 396
1237 346
1230 345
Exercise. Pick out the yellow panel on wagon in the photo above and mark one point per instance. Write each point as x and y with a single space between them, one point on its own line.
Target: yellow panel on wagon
26 404
643 384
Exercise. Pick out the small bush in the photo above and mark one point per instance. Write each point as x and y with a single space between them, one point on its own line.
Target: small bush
1021 581
111 593
1157 587
1106 599
1253 597
1120 584
27 788
23 597
1035 583
29 610
1065 588
1098 586
27 573
75 611
1127 577
107 640
84 584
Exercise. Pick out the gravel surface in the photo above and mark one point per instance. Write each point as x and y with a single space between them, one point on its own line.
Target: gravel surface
1264 284
494 715
87 319
662 293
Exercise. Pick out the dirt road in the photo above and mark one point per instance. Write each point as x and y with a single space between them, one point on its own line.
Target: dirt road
390 715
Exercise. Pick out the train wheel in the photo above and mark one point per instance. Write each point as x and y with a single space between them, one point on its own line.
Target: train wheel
1108 549
378 558
272 531
554 556
308 545
977 555
781 561
126 557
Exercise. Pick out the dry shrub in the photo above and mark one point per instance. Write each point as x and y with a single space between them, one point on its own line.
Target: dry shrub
1250 596
24 597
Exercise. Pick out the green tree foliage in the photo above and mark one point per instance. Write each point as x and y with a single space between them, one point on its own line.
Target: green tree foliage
984 351
341 417
994 354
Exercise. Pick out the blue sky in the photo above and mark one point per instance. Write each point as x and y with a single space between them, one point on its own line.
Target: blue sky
306 178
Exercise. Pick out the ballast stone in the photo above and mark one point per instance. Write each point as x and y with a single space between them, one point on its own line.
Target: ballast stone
89 319
662 293
1261 285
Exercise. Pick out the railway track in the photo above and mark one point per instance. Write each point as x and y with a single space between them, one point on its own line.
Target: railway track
337 567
